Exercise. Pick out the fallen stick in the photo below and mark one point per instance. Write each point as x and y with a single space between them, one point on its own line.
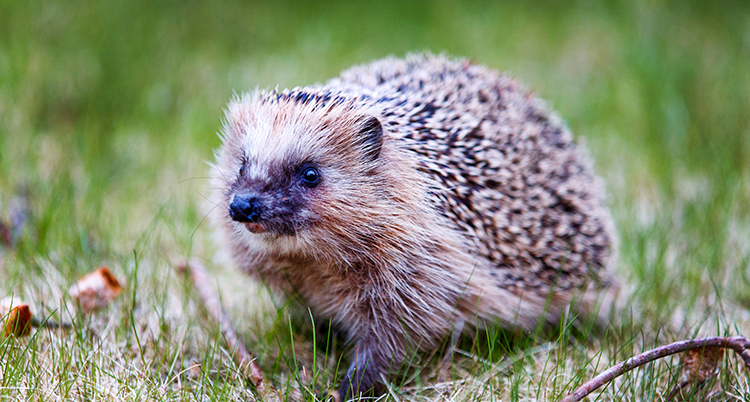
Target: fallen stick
738 343
38 323
211 302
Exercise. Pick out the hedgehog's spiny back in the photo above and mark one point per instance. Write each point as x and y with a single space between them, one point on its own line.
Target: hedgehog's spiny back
500 166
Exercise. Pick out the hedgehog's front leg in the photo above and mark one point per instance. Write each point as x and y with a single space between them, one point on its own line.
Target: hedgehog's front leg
370 361
362 376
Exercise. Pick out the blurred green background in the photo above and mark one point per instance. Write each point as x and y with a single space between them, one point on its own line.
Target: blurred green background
109 112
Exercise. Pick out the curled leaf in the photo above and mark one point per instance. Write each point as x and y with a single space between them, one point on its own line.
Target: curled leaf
95 289
193 370
17 317
701 364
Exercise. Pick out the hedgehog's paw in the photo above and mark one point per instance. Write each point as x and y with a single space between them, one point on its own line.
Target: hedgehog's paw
328 396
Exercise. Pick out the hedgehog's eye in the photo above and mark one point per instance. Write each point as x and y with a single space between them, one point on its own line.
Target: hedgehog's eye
242 169
310 177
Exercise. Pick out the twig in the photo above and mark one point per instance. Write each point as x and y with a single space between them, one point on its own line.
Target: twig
211 302
737 343
36 322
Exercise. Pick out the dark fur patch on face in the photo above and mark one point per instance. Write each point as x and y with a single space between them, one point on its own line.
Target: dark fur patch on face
282 199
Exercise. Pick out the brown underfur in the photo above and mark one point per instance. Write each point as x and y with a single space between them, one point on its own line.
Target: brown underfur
477 207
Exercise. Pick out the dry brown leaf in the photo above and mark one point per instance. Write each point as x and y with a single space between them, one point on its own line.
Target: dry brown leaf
17 316
193 370
18 323
701 364
95 289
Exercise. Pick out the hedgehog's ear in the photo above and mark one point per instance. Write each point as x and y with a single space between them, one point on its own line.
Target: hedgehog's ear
371 138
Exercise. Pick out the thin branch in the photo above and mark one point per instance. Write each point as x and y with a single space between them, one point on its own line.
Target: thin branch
46 323
211 302
737 343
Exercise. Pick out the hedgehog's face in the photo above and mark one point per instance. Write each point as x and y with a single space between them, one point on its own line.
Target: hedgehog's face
278 202
290 173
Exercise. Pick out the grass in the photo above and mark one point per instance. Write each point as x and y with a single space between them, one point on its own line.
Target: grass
108 111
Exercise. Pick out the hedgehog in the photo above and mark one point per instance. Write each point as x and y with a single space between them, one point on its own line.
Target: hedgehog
409 198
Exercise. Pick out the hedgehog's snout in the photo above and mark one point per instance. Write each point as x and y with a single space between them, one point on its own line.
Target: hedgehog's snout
245 208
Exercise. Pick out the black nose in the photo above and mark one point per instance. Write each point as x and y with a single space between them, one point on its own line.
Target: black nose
245 208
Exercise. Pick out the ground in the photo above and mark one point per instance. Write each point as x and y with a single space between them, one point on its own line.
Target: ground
109 111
